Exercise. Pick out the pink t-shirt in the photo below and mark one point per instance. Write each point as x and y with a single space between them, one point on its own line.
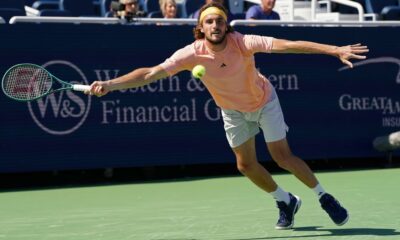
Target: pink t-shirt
231 76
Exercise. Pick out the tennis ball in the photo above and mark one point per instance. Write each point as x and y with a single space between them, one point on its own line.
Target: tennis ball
198 71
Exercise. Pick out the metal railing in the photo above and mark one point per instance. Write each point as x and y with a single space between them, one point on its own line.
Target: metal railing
101 20
175 21
76 20
314 23
180 21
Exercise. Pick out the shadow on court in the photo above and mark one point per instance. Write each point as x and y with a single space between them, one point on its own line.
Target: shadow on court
333 232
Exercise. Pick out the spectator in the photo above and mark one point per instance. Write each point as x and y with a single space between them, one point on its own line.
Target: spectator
127 9
263 11
168 8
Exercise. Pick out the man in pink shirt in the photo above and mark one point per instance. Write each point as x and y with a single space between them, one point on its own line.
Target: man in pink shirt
247 100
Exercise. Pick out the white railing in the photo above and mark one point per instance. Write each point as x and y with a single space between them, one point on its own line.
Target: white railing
92 20
314 23
178 21
101 20
348 3
175 21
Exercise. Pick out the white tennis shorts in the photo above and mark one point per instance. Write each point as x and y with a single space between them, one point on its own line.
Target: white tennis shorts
241 126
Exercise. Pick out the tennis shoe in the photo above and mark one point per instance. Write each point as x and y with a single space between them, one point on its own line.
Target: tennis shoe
287 212
336 212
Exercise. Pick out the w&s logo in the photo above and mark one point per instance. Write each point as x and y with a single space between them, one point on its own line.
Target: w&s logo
63 112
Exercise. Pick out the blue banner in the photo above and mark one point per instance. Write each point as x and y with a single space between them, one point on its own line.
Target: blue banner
332 111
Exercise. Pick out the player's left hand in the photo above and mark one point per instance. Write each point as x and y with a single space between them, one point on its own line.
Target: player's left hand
356 51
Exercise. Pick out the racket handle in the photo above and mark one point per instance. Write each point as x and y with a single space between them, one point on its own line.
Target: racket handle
80 87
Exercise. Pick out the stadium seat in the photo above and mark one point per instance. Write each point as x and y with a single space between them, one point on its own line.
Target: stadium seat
29 2
105 7
155 14
377 6
228 5
46 4
54 13
391 13
78 8
192 6
96 7
151 6
15 4
8 13
238 16
180 13
109 14
11 8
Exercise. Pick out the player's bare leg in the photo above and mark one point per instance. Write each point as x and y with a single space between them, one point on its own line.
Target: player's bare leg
288 204
282 155
248 165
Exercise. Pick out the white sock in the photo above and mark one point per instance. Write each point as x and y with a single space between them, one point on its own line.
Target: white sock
280 195
319 190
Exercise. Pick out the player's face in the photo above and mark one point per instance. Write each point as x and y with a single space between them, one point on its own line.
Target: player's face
214 28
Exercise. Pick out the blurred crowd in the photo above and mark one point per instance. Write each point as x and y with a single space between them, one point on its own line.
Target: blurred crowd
129 9
170 9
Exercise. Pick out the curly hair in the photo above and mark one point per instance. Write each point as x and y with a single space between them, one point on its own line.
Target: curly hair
197 30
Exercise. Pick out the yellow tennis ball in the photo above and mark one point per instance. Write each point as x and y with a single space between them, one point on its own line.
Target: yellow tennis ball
198 71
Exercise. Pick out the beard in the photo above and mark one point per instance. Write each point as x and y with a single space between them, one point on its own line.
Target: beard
216 42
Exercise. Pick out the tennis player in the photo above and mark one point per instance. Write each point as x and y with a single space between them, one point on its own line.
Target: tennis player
247 100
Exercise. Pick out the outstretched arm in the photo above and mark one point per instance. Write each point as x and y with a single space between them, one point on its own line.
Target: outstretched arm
136 78
344 53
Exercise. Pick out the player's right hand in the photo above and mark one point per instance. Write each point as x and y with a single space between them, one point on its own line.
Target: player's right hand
98 88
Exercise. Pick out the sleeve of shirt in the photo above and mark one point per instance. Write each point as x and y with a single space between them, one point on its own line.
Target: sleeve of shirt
276 16
251 13
255 43
196 14
179 61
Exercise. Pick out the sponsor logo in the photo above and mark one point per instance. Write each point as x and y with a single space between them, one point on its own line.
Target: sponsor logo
388 107
63 112
377 60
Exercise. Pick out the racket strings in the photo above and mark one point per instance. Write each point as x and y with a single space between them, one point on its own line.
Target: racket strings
27 82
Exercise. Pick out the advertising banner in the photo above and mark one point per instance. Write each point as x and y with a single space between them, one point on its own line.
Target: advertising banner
332 111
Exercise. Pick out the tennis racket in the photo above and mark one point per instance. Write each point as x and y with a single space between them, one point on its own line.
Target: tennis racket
27 82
